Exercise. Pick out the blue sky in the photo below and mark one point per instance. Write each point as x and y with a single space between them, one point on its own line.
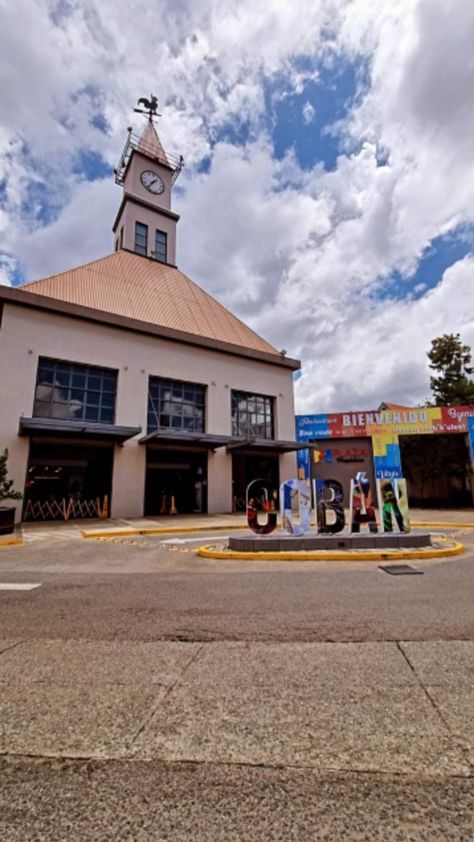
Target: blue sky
327 197
91 166
444 251
325 101
305 121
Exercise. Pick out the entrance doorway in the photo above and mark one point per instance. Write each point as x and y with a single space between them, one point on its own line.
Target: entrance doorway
66 481
250 466
437 470
176 482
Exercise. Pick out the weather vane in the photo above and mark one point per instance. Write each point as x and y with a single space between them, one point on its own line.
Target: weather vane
150 107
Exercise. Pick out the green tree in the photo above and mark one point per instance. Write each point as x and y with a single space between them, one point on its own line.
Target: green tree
451 360
6 485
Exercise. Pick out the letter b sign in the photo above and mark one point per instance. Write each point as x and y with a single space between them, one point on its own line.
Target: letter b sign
328 496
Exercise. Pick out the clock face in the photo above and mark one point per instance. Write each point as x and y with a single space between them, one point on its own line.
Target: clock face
152 181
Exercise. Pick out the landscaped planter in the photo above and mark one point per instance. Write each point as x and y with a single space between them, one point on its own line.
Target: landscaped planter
7 513
7 520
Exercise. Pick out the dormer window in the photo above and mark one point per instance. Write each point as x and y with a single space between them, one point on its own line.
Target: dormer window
161 246
141 238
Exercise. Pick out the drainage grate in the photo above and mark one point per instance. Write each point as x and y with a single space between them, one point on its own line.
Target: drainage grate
400 570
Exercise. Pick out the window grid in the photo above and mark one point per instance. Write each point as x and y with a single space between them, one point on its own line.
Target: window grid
141 238
75 392
161 246
174 404
252 415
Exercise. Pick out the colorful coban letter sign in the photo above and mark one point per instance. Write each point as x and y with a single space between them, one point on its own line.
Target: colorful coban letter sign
393 503
259 500
291 490
361 504
295 500
328 496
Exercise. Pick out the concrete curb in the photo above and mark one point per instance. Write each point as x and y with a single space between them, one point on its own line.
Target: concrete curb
131 531
153 530
332 555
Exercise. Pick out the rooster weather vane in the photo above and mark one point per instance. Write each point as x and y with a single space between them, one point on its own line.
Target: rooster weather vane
150 107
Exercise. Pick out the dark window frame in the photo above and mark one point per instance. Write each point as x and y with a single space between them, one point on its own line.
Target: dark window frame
252 415
73 391
161 247
176 405
141 239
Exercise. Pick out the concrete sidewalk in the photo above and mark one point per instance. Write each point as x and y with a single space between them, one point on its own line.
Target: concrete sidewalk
74 528
71 530
400 708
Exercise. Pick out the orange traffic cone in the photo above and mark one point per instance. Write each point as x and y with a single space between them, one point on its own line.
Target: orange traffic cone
173 509
105 510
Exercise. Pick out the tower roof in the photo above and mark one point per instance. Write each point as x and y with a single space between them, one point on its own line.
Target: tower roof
150 144
144 293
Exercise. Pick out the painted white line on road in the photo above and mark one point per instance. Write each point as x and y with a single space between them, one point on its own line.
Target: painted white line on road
190 540
18 586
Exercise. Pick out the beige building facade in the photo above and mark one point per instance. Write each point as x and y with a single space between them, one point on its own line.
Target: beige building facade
126 389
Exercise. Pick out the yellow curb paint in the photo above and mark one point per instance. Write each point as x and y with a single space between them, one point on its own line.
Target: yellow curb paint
13 541
444 525
333 555
153 530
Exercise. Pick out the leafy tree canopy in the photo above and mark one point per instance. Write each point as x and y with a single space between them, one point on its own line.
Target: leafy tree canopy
451 362
6 485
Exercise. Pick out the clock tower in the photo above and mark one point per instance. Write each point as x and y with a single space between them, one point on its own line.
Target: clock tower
145 222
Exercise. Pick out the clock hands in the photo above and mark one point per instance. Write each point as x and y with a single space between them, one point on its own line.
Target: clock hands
152 182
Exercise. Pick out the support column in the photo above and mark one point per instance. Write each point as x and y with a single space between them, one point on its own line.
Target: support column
219 482
128 480
288 467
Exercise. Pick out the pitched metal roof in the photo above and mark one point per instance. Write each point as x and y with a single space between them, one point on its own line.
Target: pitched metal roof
134 287
150 144
393 406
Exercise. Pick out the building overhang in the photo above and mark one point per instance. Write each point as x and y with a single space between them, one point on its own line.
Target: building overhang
142 203
265 445
209 441
78 429
173 438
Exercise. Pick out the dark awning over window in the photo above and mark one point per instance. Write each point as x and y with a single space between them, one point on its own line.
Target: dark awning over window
268 445
179 438
78 429
211 441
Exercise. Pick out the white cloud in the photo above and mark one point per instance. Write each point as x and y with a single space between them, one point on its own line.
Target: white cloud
379 352
302 255
309 112
83 232
250 229
419 287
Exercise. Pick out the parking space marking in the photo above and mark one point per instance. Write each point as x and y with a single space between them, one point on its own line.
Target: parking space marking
19 586
192 540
